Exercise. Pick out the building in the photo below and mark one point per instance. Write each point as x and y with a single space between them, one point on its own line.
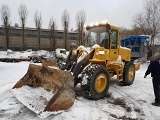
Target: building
136 44
31 39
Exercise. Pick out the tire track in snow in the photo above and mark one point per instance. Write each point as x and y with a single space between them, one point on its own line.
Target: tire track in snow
24 115
137 105
10 107
6 95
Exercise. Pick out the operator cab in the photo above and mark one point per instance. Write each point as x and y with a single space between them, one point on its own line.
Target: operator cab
106 36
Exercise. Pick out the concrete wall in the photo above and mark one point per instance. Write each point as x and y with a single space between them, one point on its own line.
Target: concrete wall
15 43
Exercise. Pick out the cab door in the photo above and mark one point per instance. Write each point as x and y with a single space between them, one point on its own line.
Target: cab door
114 45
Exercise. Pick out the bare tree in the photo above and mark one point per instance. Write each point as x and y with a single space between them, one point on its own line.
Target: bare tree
87 38
38 23
23 12
65 23
5 16
80 20
125 32
141 25
149 20
135 30
52 27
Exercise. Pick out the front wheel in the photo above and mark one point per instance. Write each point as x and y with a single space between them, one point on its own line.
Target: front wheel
95 81
129 73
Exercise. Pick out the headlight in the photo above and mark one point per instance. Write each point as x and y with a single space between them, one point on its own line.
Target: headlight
101 52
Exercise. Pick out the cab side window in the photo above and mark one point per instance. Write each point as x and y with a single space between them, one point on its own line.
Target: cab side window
114 37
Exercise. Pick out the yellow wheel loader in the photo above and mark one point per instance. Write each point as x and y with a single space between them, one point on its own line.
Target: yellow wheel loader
92 67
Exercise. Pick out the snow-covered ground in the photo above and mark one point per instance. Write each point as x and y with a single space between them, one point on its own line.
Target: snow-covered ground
25 54
121 102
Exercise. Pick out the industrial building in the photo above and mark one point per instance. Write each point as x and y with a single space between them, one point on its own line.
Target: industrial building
31 39
137 44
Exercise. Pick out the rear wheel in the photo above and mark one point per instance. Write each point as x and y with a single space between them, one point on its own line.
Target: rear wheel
129 73
95 81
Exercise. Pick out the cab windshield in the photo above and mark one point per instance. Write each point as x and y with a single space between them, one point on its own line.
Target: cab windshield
101 38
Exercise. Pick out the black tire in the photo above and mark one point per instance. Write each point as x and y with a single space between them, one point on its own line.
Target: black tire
95 82
35 59
129 73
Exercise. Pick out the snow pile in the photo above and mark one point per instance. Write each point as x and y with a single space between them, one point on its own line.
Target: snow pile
10 107
44 52
36 99
85 51
95 46
13 54
26 54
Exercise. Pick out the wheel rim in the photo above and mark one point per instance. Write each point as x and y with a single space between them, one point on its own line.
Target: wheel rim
130 74
100 83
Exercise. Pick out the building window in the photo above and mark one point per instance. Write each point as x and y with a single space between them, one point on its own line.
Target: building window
127 42
72 36
1 31
132 41
59 35
135 49
122 43
138 40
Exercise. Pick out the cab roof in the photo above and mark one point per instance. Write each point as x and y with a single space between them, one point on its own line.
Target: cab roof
101 27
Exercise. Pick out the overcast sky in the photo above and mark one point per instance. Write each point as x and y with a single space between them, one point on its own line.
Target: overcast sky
117 12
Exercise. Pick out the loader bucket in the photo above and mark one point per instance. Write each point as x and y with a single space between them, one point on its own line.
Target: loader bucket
45 90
